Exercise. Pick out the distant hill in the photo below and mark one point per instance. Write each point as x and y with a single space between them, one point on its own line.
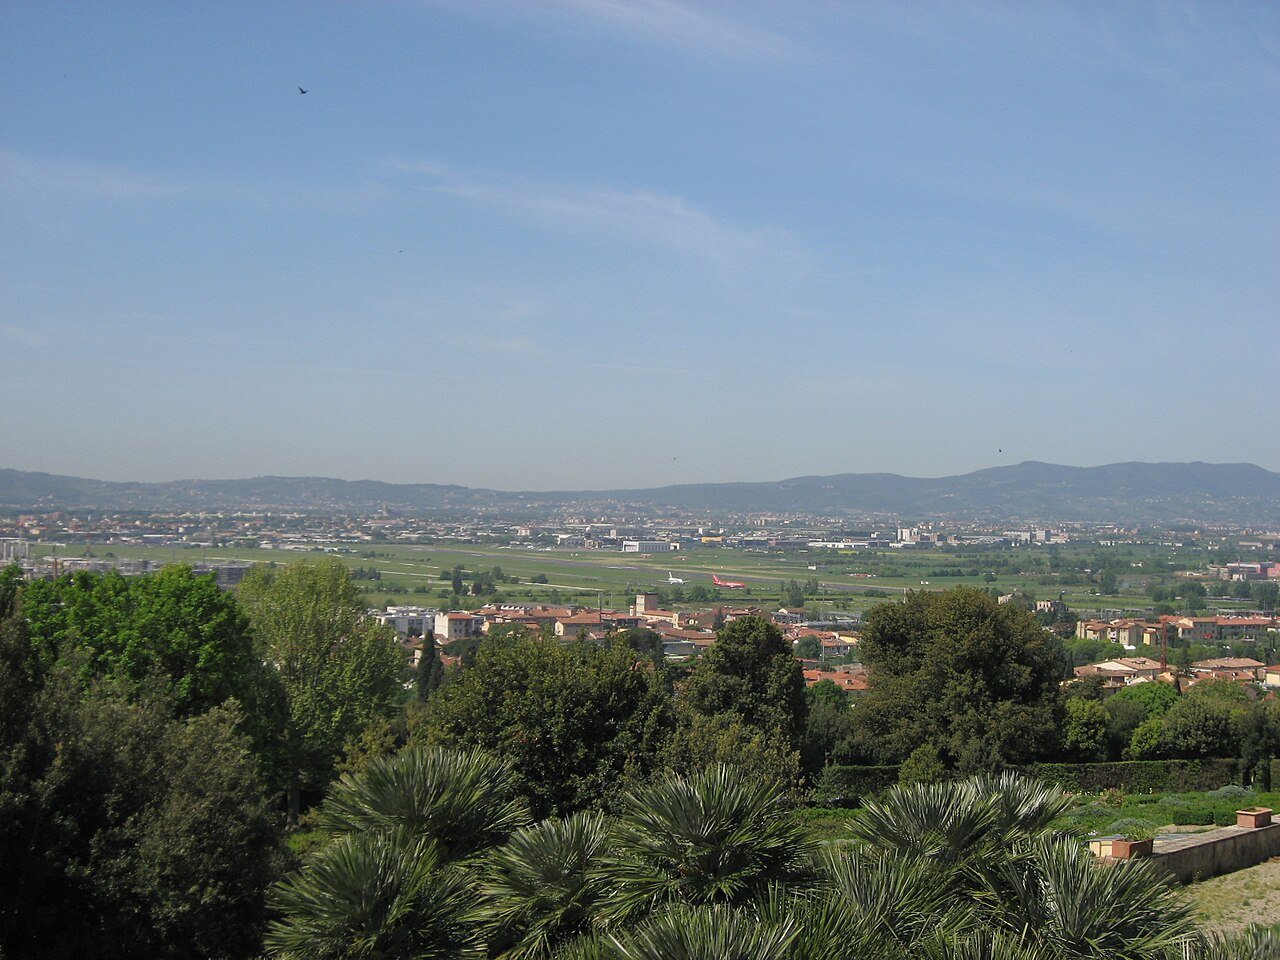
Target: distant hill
1120 492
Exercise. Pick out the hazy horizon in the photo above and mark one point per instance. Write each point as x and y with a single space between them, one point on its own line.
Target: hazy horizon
589 244
724 480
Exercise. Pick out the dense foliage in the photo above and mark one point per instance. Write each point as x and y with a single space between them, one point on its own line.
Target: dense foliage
173 623
956 672
564 800
577 722
337 671
715 866
751 673
127 827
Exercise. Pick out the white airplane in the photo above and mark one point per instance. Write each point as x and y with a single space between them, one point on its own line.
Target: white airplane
672 578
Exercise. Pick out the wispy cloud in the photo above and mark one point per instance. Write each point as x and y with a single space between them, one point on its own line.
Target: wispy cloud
23 336
718 31
650 216
696 27
23 174
511 346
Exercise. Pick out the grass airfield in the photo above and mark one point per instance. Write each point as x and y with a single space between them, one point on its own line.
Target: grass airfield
410 573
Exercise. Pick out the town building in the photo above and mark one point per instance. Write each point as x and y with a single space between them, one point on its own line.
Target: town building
457 624
408 621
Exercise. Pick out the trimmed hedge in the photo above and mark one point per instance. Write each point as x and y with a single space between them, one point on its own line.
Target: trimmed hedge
846 786
1138 776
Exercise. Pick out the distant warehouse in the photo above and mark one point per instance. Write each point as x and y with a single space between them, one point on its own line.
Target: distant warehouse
648 546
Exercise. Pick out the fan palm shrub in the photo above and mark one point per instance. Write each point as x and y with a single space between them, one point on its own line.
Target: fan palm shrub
1024 807
381 896
1060 898
980 945
463 800
716 932
542 888
944 822
718 836
1256 943
881 901
966 822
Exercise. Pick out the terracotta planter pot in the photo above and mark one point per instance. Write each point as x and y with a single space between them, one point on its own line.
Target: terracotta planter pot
1254 817
1130 849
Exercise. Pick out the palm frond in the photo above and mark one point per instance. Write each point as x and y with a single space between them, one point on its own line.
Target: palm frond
541 888
946 822
719 836
1256 943
980 945
1024 807
714 932
388 896
1061 898
895 898
464 800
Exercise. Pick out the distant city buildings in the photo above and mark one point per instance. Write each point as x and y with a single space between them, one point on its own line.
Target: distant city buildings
648 546
1132 632
1262 570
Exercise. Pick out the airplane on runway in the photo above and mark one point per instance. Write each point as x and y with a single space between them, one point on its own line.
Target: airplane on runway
672 578
731 584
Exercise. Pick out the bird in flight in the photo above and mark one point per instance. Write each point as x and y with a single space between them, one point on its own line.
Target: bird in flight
300 90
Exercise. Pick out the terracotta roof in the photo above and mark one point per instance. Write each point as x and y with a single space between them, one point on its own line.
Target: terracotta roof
1228 663
843 680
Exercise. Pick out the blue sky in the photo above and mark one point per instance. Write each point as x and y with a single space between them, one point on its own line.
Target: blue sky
581 243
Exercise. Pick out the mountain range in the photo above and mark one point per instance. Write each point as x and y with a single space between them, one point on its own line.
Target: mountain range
1235 493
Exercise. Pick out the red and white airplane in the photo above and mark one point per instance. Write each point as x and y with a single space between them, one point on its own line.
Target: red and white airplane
731 584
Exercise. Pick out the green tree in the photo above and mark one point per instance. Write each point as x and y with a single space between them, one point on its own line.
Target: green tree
827 726
809 648
646 642
750 673
1145 743
1265 593
923 766
430 672
156 827
338 670
173 623
1086 730
975 678
793 595
1155 698
1193 728
700 742
575 721
1123 719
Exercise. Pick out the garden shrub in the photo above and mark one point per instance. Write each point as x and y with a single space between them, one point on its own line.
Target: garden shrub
1137 776
1130 827
846 786
1230 792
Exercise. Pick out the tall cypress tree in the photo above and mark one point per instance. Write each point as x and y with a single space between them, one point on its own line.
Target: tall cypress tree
430 669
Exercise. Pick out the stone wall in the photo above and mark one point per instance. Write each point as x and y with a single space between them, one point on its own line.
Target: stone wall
1225 850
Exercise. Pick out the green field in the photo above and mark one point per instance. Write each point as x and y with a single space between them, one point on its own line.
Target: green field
411 573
